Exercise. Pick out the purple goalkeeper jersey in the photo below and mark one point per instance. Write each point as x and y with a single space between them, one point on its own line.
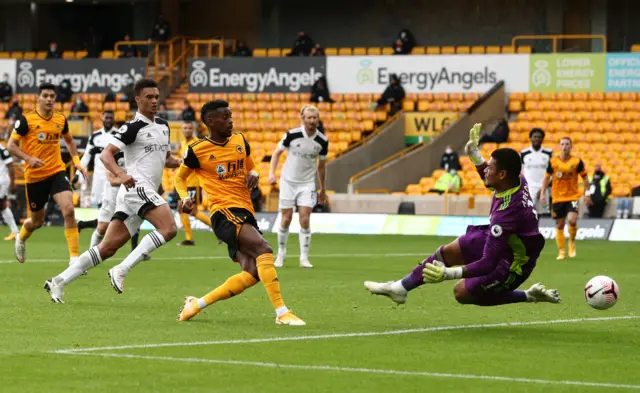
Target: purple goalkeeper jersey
512 236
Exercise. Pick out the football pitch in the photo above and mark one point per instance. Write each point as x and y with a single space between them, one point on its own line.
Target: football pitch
353 342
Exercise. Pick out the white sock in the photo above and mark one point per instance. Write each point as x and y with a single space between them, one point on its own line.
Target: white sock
7 216
305 243
281 310
150 242
86 261
397 287
96 238
283 236
619 214
625 214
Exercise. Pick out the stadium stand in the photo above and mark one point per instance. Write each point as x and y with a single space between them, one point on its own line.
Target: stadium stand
418 50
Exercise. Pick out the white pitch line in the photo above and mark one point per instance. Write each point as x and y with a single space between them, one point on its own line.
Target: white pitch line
345 335
198 258
366 370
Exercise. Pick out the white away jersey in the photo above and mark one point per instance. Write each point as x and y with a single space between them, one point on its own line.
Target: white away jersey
534 165
304 151
5 159
97 142
145 144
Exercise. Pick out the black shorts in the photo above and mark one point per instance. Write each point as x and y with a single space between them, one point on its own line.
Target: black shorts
195 194
226 224
562 209
38 193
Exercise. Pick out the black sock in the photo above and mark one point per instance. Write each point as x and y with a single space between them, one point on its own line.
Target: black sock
134 240
87 224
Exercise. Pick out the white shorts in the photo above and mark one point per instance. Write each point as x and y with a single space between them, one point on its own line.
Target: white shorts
132 205
108 206
99 187
4 191
297 195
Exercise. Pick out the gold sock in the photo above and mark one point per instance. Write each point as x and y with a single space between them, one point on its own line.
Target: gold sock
234 285
269 278
560 239
186 226
573 230
203 218
24 233
73 241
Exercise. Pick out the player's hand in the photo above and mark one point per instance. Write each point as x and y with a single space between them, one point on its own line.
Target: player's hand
543 199
322 197
35 162
185 206
126 180
433 272
82 170
471 148
587 200
12 188
272 179
252 181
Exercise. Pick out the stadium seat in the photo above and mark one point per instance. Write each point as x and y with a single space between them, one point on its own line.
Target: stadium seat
5 55
374 51
81 54
433 50
29 55
524 49
448 50
493 50
463 50
107 54
635 48
386 51
508 49
41 55
17 55
259 52
273 52
286 51
331 51
68 55
345 52
478 50
418 50
359 51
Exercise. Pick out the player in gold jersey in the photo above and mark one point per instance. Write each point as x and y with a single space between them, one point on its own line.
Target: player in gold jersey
565 194
193 188
39 132
227 173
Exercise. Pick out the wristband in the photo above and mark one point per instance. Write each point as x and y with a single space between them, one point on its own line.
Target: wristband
254 173
76 160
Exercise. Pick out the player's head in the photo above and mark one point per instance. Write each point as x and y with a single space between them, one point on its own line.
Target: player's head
108 119
565 145
147 96
216 115
536 136
503 169
46 96
188 129
310 116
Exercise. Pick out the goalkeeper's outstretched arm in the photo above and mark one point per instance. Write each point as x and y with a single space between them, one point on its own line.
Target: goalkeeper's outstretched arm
471 148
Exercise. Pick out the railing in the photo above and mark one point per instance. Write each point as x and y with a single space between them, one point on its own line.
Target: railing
374 133
382 163
555 37
208 44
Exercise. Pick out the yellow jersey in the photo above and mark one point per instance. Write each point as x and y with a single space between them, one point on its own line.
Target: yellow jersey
222 169
41 139
192 180
565 178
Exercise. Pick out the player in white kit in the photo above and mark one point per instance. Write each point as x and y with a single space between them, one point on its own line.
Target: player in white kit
305 162
7 187
144 140
535 160
96 144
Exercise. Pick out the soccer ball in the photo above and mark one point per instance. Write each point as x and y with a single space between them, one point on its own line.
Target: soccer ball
601 292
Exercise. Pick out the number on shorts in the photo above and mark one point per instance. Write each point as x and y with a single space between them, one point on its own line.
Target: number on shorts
192 194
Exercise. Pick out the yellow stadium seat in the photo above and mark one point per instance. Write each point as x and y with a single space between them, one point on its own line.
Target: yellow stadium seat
41 55
68 55
478 50
5 55
17 55
531 105
596 96
29 55
433 50
374 51
345 52
493 49
408 106
286 51
448 50
524 49
463 50
629 96
635 48
387 51
359 51
273 52
612 96
517 96
305 97
259 52
106 54
418 50
532 96
508 49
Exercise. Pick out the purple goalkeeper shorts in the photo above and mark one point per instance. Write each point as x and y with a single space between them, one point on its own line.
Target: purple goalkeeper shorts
501 278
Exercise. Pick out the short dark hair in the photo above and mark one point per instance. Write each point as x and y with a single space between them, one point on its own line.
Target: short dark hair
108 112
539 130
508 160
46 86
212 106
143 84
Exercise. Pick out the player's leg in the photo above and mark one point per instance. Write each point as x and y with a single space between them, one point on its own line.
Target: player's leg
9 219
64 200
286 203
559 212
451 255
116 236
304 213
37 197
572 220
203 218
233 286
251 243
188 232
159 215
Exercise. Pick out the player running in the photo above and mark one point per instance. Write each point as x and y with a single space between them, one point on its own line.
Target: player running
193 188
535 160
7 187
227 173
496 258
44 171
565 194
305 162
144 140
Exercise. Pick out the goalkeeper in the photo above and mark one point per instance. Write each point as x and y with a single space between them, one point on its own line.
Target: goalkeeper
492 260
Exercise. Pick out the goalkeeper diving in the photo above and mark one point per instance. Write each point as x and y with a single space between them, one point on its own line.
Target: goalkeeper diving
491 261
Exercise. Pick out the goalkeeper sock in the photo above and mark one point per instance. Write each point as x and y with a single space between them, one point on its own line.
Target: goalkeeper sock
498 298
234 285
560 239
573 230
186 226
414 279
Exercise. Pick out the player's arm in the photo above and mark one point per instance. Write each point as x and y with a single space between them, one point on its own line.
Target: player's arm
471 148
275 157
322 173
71 145
113 179
19 131
253 175
8 162
545 183
109 161
172 162
582 172
189 164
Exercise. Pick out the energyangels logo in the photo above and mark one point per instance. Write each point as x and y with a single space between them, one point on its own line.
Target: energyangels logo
251 81
541 76
80 82
425 80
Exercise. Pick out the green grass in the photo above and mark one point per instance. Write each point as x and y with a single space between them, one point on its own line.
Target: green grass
332 300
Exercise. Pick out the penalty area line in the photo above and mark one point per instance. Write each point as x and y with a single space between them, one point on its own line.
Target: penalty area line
309 367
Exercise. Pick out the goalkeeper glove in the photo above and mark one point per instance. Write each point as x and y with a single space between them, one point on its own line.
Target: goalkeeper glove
437 272
471 148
